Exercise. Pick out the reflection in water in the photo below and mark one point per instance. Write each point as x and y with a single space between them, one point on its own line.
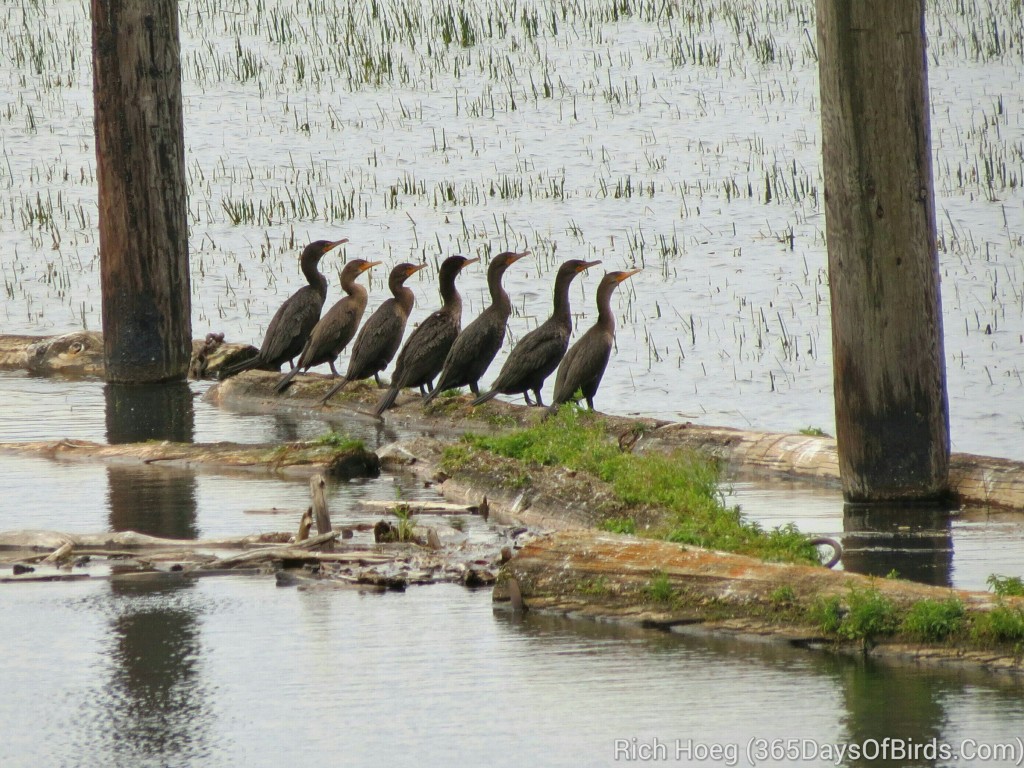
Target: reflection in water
156 703
157 501
891 703
218 673
139 412
915 541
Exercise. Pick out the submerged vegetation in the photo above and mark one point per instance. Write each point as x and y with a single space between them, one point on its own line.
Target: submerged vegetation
682 487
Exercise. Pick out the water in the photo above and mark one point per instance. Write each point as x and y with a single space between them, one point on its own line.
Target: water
235 671
640 140
689 146
962 548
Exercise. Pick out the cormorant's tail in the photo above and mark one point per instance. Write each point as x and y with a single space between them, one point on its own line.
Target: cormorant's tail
485 397
334 390
286 381
387 401
235 368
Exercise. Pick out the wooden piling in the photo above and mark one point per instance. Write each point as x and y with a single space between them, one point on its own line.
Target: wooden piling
892 420
140 166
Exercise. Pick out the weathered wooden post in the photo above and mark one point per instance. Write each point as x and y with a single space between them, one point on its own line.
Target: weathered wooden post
892 420
140 161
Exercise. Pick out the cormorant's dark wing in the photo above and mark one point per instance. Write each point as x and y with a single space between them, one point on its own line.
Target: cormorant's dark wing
377 342
536 355
291 326
583 365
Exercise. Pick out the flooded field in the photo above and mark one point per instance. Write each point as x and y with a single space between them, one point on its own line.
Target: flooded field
683 140
678 138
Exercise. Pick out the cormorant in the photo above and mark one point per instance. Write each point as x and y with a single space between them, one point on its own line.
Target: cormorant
585 362
295 318
381 334
538 353
479 342
335 329
424 351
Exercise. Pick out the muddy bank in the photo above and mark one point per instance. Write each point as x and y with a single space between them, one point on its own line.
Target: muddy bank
974 480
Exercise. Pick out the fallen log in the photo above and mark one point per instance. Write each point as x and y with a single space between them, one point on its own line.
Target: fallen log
605 577
974 480
296 458
80 353
122 541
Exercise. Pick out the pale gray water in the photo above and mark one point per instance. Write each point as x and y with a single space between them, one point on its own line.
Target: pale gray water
655 145
685 144
236 671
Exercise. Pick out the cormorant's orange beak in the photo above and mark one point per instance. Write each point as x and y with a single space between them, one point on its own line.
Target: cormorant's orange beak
587 265
414 269
626 275
335 244
469 261
369 264
517 256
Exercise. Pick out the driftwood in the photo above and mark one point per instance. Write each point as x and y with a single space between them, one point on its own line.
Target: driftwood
297 458
121 542
80 353
608 577
297 551
317 488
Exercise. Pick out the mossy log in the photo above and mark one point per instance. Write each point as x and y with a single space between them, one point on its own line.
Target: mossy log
974 480
611 577
80 353
296 458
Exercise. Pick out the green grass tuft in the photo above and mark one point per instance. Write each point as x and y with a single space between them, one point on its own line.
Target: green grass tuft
340 441
935 620
1006 586
660 589
625 525
683 483
870 614
1003 624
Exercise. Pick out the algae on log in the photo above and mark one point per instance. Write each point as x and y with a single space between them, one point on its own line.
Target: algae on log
80 353
587 574
299 458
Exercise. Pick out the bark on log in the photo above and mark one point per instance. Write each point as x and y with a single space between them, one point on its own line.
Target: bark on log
120 541
892 417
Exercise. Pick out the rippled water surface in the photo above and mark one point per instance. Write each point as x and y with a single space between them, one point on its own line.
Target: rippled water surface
687 144
642 134
195 674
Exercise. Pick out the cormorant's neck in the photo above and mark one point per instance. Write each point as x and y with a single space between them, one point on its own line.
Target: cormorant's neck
313 275
351 287
499 297
605 316
405 297
450 298
562 284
